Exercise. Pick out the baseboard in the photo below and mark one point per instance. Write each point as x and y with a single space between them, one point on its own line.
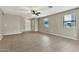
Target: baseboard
12 33
15 33
61 35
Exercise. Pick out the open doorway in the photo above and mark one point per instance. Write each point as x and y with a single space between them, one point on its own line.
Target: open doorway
34 25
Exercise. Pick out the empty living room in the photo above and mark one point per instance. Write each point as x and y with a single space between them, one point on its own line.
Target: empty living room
39 29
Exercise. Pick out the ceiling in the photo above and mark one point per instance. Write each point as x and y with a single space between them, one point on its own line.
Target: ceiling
25 11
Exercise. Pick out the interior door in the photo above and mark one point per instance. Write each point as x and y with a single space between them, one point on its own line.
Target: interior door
28 25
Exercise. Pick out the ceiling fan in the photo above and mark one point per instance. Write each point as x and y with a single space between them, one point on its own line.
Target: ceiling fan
36 12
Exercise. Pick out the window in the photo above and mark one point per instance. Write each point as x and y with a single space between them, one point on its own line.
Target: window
46 22
69 20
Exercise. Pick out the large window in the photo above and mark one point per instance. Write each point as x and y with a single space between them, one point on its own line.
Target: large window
46 22
69 20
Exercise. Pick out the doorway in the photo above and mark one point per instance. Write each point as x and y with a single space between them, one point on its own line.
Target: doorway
27 25
34 25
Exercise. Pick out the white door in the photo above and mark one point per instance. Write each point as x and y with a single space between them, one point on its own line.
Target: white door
36 24
28 25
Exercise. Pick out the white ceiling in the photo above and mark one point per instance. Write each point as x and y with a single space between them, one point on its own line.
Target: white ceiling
25 11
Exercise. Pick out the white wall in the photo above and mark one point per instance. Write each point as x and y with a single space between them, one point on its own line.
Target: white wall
12 24
1 26
56 25
0 22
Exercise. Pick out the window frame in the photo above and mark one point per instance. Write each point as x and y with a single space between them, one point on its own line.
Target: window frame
45 25
74 19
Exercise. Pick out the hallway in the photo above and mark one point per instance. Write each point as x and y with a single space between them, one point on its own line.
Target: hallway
37 42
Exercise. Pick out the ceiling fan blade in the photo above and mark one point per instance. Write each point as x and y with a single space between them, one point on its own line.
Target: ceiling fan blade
33 12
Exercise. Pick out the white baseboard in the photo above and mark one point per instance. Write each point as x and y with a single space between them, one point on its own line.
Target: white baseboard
62 35
11 33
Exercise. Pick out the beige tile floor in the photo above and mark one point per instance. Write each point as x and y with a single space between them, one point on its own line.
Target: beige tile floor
37 42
